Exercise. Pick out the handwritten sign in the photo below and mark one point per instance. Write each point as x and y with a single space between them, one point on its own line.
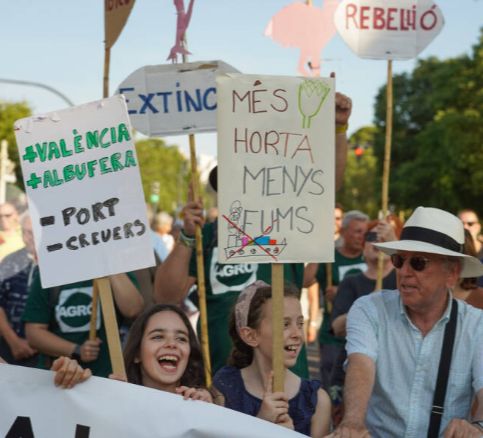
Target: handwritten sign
276 168
33 407
173 99
85 196
388 29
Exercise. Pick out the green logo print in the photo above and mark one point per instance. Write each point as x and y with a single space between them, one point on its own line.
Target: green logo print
312 94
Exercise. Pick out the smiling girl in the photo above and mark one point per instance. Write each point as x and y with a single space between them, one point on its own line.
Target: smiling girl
162 352
246 385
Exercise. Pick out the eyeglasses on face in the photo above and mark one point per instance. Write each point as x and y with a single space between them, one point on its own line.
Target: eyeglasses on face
418 263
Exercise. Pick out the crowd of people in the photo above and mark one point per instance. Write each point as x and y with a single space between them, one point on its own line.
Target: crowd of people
382 343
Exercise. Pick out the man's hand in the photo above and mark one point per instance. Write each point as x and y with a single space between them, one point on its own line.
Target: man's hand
343 109
192 215
350 430
89 350
21 349
459 428
274 404
311 333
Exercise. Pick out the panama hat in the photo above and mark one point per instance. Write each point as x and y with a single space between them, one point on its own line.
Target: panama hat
434 231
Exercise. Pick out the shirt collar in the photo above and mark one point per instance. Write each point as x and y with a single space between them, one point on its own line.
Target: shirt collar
444 317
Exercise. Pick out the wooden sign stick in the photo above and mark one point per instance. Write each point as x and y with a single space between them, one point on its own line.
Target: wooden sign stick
387 164
93 322
107 61
277 328
200 266
200 269
110 324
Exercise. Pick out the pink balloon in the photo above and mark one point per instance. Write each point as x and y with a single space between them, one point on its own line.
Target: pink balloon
307 27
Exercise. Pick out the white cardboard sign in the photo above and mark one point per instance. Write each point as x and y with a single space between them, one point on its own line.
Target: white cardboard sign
276 168
173 99
101 408
84 189
388 29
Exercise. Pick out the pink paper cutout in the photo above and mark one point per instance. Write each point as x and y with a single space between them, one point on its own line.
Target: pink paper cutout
182 24
307 27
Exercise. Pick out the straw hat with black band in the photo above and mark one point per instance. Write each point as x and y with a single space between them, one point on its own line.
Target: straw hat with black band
434 231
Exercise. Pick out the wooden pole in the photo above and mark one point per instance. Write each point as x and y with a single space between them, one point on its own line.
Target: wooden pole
93 322
107 61
200 265
387 164
277 328
205 345
110 324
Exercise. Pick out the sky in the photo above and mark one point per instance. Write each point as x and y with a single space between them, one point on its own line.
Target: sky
60 43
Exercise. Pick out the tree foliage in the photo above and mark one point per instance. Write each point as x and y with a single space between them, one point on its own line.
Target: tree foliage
9 113
359 191
437 151
168 167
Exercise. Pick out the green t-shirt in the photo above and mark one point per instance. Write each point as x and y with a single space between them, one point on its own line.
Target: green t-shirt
223 285
341 268
68 314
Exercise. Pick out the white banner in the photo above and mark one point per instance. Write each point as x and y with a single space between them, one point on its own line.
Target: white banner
173 99
276 169
388 29
31 406
85 196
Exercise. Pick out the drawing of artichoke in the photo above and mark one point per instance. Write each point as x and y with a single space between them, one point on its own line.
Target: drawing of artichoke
312 94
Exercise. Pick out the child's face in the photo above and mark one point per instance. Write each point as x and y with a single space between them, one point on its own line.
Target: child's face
164 351
293 330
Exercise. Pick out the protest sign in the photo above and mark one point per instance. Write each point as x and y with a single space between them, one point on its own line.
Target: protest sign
101 408
276 169
85 196
173 99
388 29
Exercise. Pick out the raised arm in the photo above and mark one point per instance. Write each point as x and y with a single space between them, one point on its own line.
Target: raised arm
128 299
172 280
343 109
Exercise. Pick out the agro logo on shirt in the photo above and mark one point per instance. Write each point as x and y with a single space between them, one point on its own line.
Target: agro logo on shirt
73 311
229 278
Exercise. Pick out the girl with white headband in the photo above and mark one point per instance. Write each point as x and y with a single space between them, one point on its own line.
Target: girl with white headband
246 384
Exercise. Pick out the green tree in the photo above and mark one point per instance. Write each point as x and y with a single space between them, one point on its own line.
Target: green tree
9 113
359 189
436 155
167 166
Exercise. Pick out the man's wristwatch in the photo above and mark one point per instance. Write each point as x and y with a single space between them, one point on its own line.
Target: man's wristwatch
76 354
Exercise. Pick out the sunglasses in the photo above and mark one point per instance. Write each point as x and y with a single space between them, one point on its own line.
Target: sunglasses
418 263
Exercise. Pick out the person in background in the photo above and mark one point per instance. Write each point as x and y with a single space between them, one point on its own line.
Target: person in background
395 340
163 224
10 232
467 289
471 222
58 320
338 216
15 275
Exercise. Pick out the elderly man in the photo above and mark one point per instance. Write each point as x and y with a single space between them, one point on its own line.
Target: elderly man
395 341
10 233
